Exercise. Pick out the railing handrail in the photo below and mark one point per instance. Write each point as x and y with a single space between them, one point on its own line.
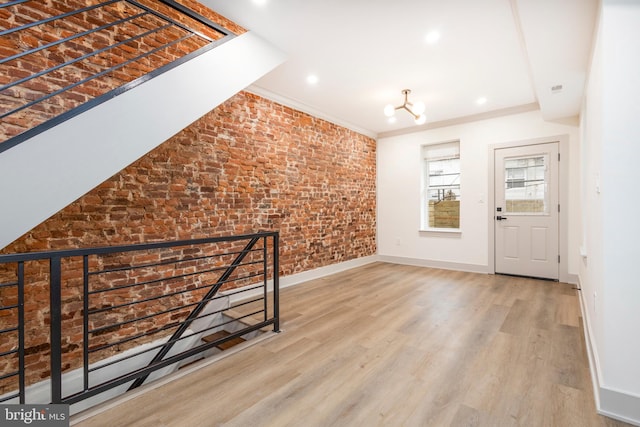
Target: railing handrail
192 14
99 99
40 255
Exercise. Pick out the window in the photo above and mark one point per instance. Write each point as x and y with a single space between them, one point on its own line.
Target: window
441 186
525 185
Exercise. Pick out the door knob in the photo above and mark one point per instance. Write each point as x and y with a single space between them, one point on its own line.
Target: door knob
501 218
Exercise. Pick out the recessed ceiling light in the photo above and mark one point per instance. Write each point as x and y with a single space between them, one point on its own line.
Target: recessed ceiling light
481 101
312 79
392 120
260 2
432 37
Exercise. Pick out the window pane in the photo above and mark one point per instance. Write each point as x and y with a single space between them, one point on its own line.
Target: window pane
526 185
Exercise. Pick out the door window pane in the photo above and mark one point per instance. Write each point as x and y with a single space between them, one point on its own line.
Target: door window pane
525 187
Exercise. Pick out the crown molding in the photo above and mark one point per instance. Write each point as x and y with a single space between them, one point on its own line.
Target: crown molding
462 120
297 105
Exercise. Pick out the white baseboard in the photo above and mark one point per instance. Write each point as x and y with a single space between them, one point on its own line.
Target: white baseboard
609 402
305 276
594 363
318 273
619 405
445 265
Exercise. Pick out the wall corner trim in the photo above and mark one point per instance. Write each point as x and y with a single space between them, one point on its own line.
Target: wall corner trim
611 403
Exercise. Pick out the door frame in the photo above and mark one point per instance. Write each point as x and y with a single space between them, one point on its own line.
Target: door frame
563 199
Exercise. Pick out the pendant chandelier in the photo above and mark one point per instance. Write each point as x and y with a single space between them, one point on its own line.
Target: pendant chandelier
416 109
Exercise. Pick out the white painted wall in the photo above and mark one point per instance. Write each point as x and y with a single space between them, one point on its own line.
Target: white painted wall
611 129
399 172
590 268
49 171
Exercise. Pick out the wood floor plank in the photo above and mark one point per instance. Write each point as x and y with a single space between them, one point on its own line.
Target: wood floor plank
394 345
567 311
466 417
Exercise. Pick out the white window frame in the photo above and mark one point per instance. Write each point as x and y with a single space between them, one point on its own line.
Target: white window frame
431 152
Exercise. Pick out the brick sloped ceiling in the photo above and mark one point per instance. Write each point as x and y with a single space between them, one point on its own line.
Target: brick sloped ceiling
49 171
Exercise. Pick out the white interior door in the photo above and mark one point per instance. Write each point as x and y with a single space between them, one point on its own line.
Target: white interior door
526 210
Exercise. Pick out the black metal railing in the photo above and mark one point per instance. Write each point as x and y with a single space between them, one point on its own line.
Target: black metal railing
105 319
69 61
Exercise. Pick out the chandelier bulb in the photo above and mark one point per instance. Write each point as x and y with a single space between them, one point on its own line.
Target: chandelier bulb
418 108
389 110
421 119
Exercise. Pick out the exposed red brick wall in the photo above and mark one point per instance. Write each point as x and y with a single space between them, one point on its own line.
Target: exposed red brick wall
215 17
248 165
21 94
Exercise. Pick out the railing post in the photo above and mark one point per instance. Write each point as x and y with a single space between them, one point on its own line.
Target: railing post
265 279
276 282
85 321
21 386
55 312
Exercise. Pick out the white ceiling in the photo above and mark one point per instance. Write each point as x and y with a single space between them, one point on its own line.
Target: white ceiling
364 52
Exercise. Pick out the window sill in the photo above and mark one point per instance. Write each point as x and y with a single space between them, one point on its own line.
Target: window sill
442 232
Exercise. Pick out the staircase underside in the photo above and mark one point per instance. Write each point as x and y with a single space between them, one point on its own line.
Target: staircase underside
44 174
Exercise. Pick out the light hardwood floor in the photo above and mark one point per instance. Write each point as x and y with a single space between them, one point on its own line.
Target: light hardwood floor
395 345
